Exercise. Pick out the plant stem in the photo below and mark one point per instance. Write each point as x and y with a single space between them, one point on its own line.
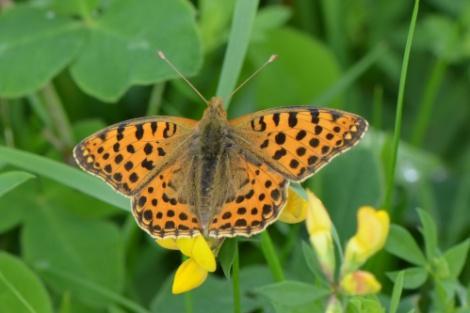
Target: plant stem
7 129
427 101
271 256
155 100
242 24
236 281
399 110
58 116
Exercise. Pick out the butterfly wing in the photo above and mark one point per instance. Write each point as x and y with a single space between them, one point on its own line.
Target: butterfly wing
258 195
163 207
126 154
298 141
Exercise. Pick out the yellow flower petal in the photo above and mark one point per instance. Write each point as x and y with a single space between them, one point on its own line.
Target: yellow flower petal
168 243
188 276
203 254
295 210
319 227
360 283
318 219
198 249
186 245
372 232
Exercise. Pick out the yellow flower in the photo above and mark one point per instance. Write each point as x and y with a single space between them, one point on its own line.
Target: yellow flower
192 272
189 275
295 210
360 283
372 232
319 227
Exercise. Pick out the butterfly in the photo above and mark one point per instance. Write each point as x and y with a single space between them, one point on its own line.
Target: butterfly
216 177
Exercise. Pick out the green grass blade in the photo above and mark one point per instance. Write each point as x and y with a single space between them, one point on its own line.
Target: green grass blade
399 110
242 24
11 180
63 174
271 256
396 293
351 75
236 281
108 294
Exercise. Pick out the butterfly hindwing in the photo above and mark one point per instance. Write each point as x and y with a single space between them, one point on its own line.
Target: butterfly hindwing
161 208
124 154
298 141
255 204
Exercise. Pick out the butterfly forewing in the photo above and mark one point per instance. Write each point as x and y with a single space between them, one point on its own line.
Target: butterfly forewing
298 141
125 154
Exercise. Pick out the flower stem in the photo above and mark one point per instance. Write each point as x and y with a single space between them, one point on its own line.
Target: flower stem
155 99
236 281
59 118
271 257
399 110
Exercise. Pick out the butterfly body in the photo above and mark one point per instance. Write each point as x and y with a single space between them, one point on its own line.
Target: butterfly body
216 177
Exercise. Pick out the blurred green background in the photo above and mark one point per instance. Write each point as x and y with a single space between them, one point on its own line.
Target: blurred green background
69 68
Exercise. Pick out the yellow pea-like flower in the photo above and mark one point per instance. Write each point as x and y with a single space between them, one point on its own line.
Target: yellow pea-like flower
192 272
189 275
372 232
319 227
360 283
167 243
295 210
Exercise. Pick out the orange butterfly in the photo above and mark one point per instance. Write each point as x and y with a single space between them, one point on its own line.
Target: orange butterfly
216 177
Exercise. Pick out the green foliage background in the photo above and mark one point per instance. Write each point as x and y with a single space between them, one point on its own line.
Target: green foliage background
71 67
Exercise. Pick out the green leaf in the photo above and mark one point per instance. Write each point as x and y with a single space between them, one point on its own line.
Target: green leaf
292 293
63 174
214 295
402 244
396 293
20 289
414 277
10 180
71 7
122 44
269 18
23 199
291 80
226 255
35 45
364 305
214 21
53 239
456 258
429 232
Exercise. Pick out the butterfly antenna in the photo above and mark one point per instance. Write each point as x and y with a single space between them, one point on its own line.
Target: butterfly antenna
271 59
163 57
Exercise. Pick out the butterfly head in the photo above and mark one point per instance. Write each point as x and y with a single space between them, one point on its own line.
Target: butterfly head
215 109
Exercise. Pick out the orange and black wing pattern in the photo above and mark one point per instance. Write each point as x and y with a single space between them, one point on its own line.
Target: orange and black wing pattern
298 141
126 154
